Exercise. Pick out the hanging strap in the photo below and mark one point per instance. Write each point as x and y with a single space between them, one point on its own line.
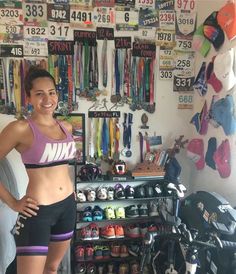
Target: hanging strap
104 63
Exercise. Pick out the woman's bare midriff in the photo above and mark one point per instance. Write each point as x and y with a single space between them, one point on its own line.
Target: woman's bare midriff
49 185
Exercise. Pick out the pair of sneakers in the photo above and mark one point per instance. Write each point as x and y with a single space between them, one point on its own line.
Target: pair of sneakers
122 192
92 214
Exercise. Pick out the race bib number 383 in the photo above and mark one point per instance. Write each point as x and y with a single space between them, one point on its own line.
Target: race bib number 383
35 12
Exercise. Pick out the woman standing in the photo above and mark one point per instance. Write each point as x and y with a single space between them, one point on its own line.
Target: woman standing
47 212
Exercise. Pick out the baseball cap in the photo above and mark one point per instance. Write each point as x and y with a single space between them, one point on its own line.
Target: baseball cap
226 18
200 43
222 159
223 69
204 120
211 77
200 83
200 120
213 31
212 145
222 111
195 151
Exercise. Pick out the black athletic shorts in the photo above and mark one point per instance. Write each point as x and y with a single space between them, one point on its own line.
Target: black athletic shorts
55 222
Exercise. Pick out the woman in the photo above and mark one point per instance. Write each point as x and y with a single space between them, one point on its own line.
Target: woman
47 212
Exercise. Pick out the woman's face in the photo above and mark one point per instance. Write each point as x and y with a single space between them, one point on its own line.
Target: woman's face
43 96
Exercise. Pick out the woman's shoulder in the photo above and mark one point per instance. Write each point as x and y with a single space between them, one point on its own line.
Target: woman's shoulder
18 126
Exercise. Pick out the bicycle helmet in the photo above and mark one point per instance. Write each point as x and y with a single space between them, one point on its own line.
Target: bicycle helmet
119 167
90 172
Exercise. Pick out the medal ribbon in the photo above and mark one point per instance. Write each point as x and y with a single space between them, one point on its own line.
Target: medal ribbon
152 66
105 137
117 73
104 63
111 137
141 146
129 132
86 66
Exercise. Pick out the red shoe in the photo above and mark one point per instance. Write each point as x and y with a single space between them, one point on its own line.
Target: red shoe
79 253
108 232
119 231
89 251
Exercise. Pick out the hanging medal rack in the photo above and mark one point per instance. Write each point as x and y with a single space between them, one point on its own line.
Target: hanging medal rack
86 64
104 136
60 65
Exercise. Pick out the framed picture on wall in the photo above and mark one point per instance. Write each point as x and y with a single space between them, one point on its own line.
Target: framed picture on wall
77 120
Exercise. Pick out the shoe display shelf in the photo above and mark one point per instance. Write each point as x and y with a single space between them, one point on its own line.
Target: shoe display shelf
131 205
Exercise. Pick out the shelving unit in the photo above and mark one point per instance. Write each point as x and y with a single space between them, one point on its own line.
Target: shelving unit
82 185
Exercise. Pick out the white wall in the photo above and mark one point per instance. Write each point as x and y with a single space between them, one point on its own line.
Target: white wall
169 122
208 179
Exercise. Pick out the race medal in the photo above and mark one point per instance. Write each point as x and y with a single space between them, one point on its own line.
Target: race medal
151 108
115 98
128 153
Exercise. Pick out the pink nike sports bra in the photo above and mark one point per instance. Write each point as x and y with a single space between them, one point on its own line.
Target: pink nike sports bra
46 152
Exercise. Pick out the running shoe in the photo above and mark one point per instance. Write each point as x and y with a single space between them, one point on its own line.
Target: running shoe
119 231
119 192
120 212
79 253
81 268
110 193
94 231
115 250
129 192
97 213
108 232
88 252
109 213
98 252
143 210
91 268
85 233
87 215
124 251
131 211
132 231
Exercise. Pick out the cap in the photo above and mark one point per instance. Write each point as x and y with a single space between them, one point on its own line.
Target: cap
212 145
223 69
222 159
204 120
211 77
213 31
200 84
200 120
226 18
200 43
195 151
222 111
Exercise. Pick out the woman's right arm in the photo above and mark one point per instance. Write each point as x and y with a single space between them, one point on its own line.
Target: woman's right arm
10 138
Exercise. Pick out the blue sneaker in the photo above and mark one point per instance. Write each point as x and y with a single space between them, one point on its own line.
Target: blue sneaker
97 213
87 214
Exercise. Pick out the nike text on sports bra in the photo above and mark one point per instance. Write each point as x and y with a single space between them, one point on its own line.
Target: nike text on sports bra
46 152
